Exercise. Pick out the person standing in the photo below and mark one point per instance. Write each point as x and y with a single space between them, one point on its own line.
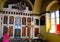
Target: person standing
6 36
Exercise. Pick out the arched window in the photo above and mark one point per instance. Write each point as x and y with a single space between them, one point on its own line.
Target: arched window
11 20
55 25
5 20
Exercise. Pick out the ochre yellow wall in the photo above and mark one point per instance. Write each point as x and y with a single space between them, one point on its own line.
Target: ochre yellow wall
43 31
49 36
1 3
46 35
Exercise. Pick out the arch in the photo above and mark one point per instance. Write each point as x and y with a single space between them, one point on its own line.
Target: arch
48 20
30 3
50 5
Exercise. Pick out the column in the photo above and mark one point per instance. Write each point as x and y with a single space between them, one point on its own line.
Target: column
48 22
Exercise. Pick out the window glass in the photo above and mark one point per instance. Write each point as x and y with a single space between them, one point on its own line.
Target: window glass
57 20
52 21
52 30
57 13
53 15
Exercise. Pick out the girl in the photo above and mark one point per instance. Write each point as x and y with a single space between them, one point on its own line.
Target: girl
6 36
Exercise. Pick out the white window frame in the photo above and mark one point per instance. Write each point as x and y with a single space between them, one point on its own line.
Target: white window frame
55 17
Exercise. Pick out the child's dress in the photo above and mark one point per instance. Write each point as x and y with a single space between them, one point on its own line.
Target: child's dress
6 37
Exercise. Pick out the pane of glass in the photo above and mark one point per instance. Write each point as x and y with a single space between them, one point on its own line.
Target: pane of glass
53 15
57 20
52 21
53 29
57 13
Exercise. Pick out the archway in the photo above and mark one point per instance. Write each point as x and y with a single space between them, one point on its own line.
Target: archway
53 6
